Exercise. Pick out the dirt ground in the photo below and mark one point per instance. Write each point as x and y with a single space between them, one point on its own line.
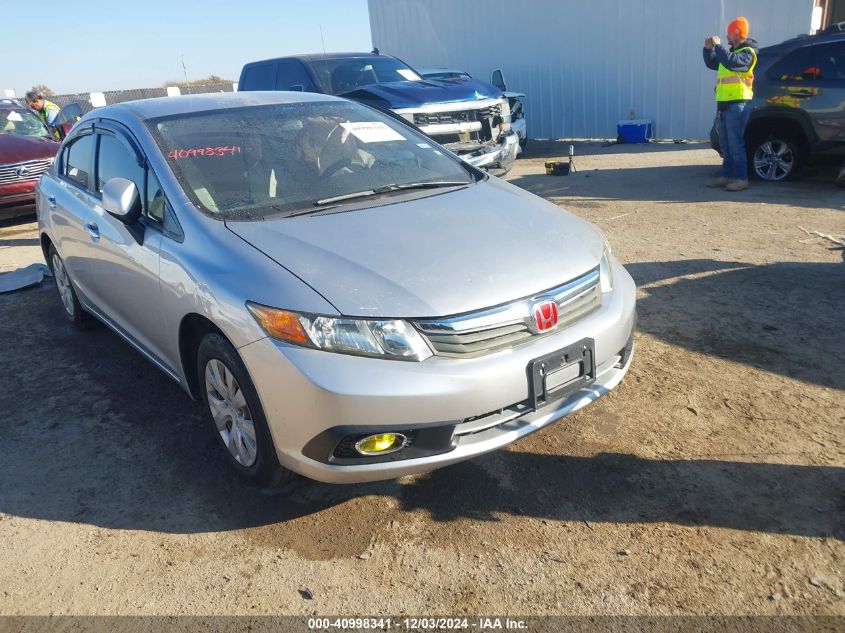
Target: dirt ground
712 481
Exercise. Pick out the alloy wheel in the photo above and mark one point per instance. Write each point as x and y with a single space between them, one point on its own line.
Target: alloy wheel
63 284
774 160
230 412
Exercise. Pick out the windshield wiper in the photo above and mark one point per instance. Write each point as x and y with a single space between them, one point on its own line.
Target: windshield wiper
388 188
422 185
345 196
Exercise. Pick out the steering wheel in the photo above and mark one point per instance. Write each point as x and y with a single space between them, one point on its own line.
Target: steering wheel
336 166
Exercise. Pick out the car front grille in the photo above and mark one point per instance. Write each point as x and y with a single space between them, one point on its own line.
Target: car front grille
27 170
457 116
479 333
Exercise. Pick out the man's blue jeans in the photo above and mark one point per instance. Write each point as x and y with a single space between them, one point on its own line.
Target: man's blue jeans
732 121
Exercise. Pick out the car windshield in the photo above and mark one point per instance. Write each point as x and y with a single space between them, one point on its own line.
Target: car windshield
261 161
345 74
22 122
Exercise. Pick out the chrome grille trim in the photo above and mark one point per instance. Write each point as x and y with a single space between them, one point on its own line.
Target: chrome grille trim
507 325
34 169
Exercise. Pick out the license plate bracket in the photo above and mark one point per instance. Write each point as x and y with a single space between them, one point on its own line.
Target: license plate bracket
561 373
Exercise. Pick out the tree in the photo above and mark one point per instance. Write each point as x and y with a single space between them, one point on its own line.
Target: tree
210 80
42 89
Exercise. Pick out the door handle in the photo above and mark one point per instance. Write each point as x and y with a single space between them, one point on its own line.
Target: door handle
93 230
802 94
51 200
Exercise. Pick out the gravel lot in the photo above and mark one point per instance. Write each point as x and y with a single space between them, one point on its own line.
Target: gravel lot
712 481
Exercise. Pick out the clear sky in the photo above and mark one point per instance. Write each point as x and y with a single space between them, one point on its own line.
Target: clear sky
93 46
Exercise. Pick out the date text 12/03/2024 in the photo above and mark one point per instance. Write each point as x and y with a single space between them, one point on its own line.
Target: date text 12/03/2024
416 624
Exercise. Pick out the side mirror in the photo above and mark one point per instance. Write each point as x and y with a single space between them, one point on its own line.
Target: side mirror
498 80
122 200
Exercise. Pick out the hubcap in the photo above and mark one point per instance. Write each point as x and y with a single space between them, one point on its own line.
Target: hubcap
230 412
63 284
774 160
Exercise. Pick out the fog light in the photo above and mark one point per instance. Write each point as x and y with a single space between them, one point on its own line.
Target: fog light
381 444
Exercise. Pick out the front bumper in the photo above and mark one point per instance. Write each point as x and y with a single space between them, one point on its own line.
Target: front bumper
306 393
501 155
18 193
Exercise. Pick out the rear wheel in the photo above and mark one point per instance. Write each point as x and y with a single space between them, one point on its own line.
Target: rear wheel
775 157
232 404
72 308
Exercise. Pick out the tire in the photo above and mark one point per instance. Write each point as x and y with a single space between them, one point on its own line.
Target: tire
775 157
73 310
234 409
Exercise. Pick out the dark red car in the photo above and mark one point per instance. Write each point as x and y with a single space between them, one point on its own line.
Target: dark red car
27 150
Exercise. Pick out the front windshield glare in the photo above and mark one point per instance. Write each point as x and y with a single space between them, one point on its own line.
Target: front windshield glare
20 122
259 161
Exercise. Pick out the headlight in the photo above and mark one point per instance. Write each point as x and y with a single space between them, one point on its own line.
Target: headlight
506 115
381 338
605 270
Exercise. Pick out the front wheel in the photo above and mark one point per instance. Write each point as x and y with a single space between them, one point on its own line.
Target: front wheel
774 157
232 404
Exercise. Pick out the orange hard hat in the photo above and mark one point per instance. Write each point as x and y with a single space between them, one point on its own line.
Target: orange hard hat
738 27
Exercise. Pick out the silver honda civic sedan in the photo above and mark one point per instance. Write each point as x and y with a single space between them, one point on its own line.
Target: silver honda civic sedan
347 299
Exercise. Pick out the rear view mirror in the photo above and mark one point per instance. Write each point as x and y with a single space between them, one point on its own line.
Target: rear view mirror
122 200
498 80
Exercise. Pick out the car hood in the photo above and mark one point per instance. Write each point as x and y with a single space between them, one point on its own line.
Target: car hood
16 149
413 94
438 255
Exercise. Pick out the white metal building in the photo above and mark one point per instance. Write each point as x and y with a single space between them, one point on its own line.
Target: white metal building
585 64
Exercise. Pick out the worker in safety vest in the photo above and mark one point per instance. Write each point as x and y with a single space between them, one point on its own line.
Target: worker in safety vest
45 110
734 91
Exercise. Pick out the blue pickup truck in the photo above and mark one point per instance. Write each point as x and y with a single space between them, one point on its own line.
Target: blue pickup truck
468 117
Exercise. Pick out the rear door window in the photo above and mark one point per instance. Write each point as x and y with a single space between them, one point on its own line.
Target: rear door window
821 62
259 77
78 159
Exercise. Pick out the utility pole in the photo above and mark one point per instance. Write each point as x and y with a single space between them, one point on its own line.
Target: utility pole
185 71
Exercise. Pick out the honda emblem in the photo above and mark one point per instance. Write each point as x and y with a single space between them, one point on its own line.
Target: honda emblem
545 315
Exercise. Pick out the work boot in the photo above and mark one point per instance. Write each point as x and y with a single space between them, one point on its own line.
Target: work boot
718 182
737 185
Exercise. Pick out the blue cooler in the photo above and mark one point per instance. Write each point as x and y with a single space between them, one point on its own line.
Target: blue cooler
635 131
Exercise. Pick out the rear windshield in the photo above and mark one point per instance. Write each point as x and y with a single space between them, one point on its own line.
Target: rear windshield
22 122
263 161
345 74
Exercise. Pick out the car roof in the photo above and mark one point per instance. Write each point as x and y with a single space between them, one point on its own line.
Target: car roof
805 40
187 104
314 57
8 104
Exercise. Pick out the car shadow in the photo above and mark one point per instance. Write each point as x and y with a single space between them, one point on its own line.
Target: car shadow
19 242
93 434
660 183
784 318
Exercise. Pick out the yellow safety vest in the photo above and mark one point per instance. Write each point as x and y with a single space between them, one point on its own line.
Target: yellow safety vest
732 85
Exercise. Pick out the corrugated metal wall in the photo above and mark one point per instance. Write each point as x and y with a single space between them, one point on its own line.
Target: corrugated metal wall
585 64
